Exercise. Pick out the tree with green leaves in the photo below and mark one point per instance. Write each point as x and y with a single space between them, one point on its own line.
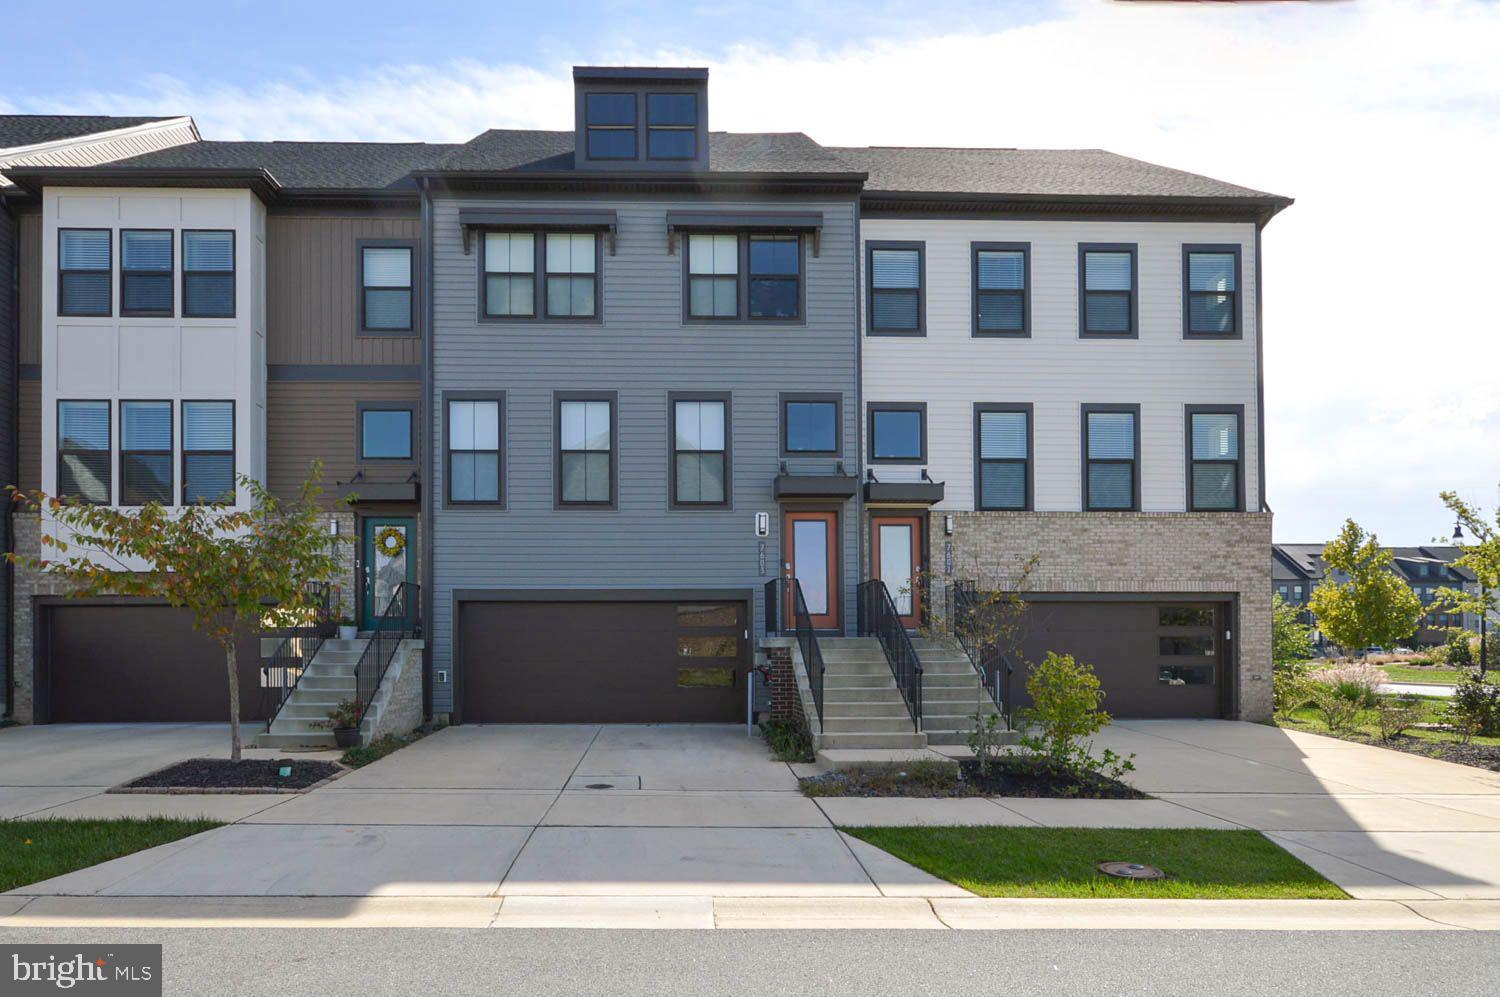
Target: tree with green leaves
1481 557
1363 602
228 566
1291 639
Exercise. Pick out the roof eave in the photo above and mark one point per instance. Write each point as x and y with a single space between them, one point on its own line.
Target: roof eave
847 182
35 178
1261 208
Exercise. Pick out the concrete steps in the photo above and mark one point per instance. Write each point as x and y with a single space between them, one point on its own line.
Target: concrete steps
326 681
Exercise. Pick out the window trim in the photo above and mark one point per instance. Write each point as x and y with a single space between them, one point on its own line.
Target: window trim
449 502
60 453
695 127
921 248
107 271
634 127
233 451
361 407
725 397
836 397
171 451
1238 411
234 272
873 407
1024 248
539 274
742 277
1232 248
613 398
1085 411
362 329
980 408
1084 248
171 310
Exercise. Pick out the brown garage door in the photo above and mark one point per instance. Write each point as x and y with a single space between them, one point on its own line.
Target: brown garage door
138 664
1152 659
601 662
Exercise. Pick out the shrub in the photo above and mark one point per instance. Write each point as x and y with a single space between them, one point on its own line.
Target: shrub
1458 651
1289 689
1360 683
1474 709
1393 714
1338 710
789 742
1065 697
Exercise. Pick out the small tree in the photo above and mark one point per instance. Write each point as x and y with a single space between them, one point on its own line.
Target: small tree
1482 559
1363 602
1291 639
1066 697
227 566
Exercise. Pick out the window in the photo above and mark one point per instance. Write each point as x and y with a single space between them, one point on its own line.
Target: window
145 453
207 453
1214 460
810 425
609 125
83 441
586 457
473 435
1211 291
385 433
385 300
1185 616
775 276
1297 592
898 432
895 270
207 274
509 275
83 265
1186 644
700 451
1111 454
770 283
1002 305
571 274
713 276
1106 290
1281 590
1002 440
146 272
672 126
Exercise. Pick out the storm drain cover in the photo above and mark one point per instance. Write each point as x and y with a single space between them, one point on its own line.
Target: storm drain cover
1131 870
604 782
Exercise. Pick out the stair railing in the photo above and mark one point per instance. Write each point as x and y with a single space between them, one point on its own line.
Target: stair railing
995 669
281 672
878 618
402 619
807 643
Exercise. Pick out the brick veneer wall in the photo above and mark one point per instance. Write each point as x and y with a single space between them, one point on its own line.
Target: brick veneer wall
1131 552
786 705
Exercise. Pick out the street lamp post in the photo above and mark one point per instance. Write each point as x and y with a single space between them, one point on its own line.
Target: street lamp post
1484 605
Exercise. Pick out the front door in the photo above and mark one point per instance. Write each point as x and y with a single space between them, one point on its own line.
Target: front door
896 553
812 543
389 559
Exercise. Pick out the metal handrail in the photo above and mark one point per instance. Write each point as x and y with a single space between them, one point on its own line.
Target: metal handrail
995 669
773 607
401 619
807 642
283 670
878 617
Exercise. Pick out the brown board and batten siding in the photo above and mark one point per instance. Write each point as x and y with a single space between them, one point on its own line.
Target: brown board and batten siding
9 251
319 420
29 354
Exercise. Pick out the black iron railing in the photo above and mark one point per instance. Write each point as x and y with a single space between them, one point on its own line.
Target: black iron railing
878 618
995 669
402 619
807 643
280 673
773 606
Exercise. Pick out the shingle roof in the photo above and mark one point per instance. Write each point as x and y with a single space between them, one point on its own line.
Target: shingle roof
304 165
1030 172
502 150
33 129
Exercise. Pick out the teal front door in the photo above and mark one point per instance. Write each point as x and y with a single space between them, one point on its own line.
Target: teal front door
389 557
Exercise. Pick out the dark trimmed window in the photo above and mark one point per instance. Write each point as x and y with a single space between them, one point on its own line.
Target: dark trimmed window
145 453
565 278
207 273
609 125
1111 458
810 426
83 272
386 288
1003 442
1215 458
895 279
83 442
572 275
1211 290
1002 289
724 270
385 433
671 126
474 450
509 289
586 455
775 276
1107 291
208 453
713 275
146 272
898 433
700 451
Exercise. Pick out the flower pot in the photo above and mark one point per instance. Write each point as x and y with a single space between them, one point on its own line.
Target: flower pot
347 633
346 737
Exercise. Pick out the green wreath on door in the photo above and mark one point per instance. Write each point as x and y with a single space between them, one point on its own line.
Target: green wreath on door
391 541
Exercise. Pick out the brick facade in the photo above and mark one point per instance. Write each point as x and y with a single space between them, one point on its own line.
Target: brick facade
786 704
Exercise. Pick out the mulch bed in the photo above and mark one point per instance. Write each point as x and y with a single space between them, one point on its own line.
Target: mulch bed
1480 756
220 775
1044 782
934 780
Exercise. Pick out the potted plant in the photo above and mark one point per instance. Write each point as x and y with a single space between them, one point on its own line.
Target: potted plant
347 630
345 719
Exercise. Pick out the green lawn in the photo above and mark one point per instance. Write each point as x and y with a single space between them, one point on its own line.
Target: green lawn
34 850
1436 675
1308 719
1061 862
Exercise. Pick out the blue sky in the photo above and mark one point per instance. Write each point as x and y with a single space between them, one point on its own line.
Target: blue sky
1381 117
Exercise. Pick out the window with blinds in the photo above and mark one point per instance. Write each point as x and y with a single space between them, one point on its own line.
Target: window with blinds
1214 458
572 288
474 451
744 276
1110 459
509 289
1001 289
386 289
146 272
208 452
145 453
895 289
1107 281
83 451
713 275
83 272
207 274
1003 439
1211 291
585 452
700 452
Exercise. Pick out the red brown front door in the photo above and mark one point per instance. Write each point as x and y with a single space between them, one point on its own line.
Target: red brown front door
812 558
896 554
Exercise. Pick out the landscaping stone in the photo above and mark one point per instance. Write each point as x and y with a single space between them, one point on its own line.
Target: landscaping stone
223 775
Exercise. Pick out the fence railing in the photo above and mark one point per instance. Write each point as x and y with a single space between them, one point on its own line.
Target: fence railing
402 619
879 618
299 644
807 643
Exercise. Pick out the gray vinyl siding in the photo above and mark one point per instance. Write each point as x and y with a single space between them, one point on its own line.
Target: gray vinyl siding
642 350
9 273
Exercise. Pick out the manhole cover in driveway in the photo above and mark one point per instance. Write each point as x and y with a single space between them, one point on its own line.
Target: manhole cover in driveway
1131 870
604 782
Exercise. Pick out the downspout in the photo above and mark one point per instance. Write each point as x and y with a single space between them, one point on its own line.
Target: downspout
1260 378
859 419
429 470
12 225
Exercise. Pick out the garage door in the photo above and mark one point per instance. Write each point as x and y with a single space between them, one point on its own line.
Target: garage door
1152 659
601 662
137 664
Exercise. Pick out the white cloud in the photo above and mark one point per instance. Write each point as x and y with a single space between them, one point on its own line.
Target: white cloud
1382 119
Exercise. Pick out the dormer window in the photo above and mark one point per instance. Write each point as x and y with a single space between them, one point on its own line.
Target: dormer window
640 118
672 125
610 125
